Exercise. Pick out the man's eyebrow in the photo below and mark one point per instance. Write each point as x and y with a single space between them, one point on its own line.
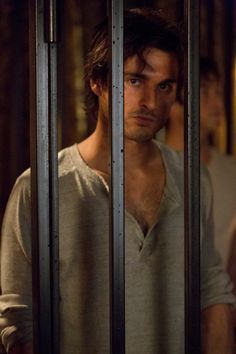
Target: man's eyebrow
136 75
168 81
145 77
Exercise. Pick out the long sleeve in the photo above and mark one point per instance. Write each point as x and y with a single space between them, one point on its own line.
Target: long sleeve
15 301
216 287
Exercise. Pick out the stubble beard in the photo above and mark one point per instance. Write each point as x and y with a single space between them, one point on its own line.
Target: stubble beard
140 136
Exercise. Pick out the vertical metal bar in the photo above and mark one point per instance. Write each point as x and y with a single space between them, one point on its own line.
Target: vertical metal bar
192 183
50 21
40 178
54 198
51 37
117 260
229 60
44 185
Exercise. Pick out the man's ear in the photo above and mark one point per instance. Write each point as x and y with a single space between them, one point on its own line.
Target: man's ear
96 87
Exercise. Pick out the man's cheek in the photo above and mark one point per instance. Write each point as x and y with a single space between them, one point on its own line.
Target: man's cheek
165 112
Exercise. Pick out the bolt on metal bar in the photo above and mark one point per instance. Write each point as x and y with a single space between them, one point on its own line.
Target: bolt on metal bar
192 182
50 21
117 243
44 185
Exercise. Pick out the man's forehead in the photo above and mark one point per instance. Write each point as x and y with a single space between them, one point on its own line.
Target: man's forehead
152 60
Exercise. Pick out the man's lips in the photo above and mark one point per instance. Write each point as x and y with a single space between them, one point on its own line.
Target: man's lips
143 118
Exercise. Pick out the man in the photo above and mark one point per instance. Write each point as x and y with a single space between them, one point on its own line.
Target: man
222 168
154 217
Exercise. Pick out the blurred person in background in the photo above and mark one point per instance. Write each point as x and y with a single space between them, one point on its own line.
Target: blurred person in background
222 167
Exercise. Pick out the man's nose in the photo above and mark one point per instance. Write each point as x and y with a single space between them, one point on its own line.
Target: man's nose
149 99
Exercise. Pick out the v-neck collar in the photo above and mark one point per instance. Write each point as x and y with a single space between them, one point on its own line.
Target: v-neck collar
171 197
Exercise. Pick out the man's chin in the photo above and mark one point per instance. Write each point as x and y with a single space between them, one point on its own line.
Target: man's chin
140 137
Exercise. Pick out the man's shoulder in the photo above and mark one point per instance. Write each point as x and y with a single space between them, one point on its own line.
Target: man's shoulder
68 162
173 160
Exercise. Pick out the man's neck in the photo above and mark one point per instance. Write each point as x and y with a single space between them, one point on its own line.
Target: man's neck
140 155
95 151
175 137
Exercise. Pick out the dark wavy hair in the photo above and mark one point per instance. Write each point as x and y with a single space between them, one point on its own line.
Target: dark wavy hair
143 28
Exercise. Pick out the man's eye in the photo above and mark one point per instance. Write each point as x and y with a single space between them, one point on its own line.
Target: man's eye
165 87
134 82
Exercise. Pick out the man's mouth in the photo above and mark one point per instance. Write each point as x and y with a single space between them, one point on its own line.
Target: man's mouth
144 117
143 120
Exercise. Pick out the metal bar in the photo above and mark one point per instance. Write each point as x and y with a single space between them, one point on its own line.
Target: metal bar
229 60
54 196
43 183
50 21
33 163
192 182
117 252
40 177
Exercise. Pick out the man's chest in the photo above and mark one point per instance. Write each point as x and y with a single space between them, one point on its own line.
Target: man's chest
143 197
143 194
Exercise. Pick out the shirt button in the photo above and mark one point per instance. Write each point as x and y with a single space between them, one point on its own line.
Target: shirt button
140 246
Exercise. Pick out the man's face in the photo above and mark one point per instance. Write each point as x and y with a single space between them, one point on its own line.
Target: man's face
211 107
149 92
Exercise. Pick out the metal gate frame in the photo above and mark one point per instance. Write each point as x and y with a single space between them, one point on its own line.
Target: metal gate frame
44 178
192 180
44 175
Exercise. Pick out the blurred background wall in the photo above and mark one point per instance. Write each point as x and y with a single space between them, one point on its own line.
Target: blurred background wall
77 18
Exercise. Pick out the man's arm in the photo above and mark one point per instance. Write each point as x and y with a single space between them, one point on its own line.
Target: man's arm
16 275
217 334
26 348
